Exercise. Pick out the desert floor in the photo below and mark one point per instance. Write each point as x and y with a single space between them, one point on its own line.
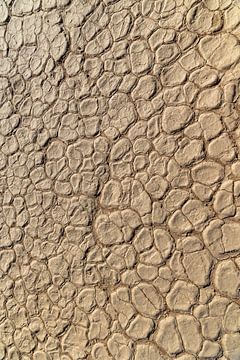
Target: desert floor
119 179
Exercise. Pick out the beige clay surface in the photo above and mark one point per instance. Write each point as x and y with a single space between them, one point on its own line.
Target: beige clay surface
119 179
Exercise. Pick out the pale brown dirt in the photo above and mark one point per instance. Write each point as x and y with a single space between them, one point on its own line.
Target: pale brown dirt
119 179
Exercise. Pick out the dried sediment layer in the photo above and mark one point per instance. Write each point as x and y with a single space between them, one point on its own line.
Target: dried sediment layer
119 180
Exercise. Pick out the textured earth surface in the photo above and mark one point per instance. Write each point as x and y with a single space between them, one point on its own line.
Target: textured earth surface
119 179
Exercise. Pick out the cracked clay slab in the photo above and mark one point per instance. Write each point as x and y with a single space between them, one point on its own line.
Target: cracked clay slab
119 180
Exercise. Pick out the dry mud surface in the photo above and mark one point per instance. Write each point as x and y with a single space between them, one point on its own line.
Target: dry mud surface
119 179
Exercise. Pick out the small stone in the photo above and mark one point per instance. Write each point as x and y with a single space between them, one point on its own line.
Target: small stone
145 88
74 341
99 325
24 340
175 198
99 44
147 272
227 278
186 39
189 153
140 328
111 194
99 352
157 39
210 350
221 50
174 118
189 329
147 351
230 344
147 300
231 17
3 352
5 66
208 172
120 300
186 357
203 192
173 75
3 11
108 84
119 24
178 223
163 242
157 187
231 322
58 46
143 240
222 149
119 347
197 213
121 111
191 60
140 200
224 204
189 244
56 269
167 336
55 150
143 63
22 7
204 77
203 21
209 99
151 257
211 125
198 267
108 232
165 144
166 53
211 327
6 259
182 296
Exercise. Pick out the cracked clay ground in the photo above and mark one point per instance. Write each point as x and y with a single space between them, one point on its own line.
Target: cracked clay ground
119 179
